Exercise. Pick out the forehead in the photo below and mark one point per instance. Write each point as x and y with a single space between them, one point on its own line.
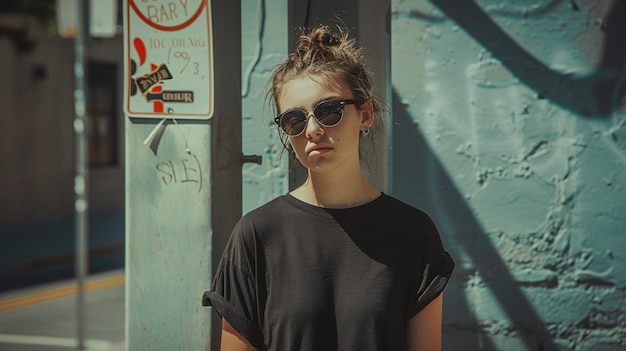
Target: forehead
306 91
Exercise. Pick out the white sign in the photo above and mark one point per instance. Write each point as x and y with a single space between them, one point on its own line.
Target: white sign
169 59
102 18
67 17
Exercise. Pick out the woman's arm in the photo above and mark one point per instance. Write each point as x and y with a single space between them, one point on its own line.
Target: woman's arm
424 329
232 340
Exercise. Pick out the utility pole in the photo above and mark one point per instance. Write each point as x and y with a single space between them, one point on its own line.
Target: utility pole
81 177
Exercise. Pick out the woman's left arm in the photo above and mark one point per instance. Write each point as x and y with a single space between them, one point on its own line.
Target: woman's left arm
424 329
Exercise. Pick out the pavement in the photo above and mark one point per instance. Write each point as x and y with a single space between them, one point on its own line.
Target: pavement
44 317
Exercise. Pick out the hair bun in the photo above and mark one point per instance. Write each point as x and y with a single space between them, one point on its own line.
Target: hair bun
323 36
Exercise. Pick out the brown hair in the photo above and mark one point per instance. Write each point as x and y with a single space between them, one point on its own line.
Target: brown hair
333 57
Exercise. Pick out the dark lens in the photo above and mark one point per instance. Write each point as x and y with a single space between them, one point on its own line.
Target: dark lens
293 122
329 113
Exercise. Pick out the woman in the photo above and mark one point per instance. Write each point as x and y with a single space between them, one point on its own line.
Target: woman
334 264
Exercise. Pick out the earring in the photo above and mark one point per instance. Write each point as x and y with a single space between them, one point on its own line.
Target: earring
366 130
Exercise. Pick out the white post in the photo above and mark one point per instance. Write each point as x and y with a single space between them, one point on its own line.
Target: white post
81 176
183 165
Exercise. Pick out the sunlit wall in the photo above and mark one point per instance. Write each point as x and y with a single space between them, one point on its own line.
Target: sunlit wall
510 129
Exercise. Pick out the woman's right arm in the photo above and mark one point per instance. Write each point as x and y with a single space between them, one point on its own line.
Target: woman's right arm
232 340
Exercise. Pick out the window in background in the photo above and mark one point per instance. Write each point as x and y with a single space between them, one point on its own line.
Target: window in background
102 112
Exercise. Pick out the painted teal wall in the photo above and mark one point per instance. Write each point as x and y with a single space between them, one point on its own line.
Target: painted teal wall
264 42
509 128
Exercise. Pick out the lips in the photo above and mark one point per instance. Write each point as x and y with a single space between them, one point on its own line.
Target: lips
318 149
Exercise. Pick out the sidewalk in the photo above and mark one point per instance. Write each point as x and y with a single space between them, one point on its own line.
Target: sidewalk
43 318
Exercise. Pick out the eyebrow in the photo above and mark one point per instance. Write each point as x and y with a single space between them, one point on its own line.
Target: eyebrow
332 97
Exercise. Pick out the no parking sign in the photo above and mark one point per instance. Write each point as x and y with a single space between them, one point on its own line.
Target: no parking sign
169 59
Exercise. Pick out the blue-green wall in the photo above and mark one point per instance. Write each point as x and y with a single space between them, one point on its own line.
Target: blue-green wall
509 127
516 146
264 41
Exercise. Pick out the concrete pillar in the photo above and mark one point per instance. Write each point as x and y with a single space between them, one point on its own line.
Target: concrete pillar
183 196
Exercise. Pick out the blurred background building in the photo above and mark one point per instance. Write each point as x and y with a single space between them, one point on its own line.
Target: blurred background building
37 157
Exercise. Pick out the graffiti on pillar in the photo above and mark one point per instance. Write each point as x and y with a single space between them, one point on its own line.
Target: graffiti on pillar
182 171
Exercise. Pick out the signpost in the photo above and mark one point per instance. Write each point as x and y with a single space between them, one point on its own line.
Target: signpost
169 48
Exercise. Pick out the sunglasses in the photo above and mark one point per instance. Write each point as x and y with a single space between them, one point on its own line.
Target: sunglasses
327 113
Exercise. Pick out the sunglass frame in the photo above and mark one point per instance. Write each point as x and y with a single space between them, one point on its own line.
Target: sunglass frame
341 105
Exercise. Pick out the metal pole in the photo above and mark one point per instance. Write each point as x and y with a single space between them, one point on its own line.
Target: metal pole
81 176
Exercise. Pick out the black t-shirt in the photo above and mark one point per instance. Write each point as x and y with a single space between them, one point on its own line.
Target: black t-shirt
294 276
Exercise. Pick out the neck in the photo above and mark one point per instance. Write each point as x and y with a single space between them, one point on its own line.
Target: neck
336 190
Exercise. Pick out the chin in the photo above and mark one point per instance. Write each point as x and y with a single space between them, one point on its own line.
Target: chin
320 167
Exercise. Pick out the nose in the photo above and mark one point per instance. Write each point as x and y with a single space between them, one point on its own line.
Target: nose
312 126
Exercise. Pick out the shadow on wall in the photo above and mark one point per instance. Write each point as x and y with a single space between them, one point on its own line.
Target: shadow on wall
595 94
424 183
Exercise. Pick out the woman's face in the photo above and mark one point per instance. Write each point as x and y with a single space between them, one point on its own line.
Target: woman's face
320 148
